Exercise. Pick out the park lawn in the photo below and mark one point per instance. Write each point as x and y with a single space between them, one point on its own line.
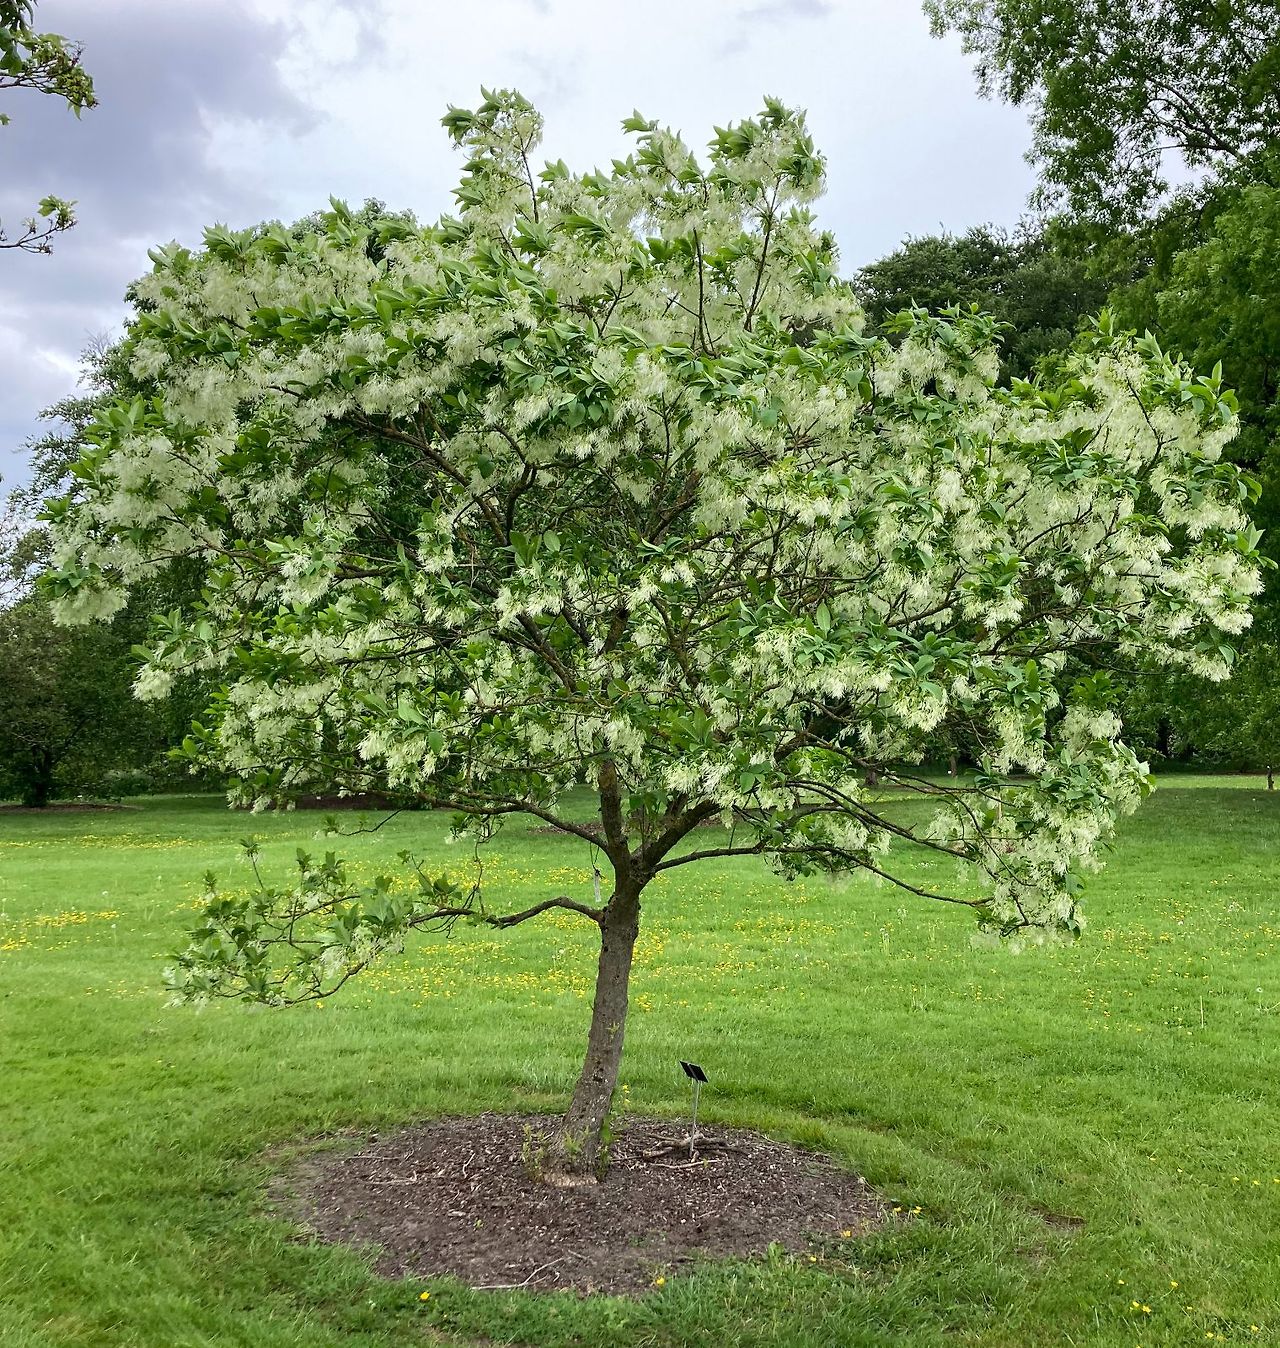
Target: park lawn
1082 1139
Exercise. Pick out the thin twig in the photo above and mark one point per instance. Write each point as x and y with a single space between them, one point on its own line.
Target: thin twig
510 1286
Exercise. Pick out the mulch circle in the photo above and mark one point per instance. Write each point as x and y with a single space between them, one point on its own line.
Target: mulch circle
459 1197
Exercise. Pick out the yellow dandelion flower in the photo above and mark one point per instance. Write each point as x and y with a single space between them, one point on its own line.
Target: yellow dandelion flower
659 1281
424 1296
1172 1284
846 1233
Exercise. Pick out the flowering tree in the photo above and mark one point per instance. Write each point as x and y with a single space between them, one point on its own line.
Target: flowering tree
600 483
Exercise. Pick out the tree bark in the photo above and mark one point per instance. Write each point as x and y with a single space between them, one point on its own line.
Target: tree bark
581 1155
38 787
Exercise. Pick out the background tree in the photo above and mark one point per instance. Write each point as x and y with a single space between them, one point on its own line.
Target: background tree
1218 300
1039 290
68 721
1116 89
47 64
72 726
1212 290
132 741
601 483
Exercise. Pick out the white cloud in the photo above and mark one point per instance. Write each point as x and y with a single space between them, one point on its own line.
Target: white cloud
236 110
909 142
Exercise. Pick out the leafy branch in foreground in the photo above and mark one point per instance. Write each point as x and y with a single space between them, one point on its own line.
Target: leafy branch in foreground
43 63
53 216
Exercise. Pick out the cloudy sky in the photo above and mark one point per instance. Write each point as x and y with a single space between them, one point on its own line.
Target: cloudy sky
237 111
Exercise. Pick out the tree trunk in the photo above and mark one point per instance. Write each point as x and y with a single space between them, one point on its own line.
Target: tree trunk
581 1155
38 787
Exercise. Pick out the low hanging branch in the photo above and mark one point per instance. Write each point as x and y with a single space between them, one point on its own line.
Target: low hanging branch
301 942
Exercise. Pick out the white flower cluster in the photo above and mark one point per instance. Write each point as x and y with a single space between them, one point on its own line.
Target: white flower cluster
604 471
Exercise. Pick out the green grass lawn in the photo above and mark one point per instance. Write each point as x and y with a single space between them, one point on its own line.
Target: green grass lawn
1091 1133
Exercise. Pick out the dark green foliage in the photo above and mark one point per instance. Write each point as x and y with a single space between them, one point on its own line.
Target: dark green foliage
1204 275
1113 88
69 724
67 721
72 724
936 271
1178 719
1034 282
1220 301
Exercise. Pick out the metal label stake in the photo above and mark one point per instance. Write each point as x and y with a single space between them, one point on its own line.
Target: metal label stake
696 1076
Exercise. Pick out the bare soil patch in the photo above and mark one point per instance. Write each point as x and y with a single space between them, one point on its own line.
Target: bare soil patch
459 1197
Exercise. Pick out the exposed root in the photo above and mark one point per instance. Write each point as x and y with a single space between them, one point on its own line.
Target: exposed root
688 1146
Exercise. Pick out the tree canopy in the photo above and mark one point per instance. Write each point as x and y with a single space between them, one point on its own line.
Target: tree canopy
1115 89
1220 301
601 481
44 63
1037 290
1127 103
